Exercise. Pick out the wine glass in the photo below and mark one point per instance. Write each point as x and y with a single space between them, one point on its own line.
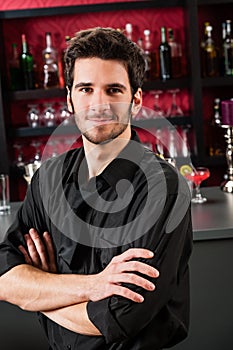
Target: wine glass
197 175
158 111
33 116
64 114
49 115
174 110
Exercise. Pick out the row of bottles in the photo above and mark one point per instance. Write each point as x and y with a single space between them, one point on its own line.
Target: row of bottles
24 73
163 62
217 61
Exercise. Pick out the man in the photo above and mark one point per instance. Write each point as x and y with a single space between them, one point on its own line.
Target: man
99 222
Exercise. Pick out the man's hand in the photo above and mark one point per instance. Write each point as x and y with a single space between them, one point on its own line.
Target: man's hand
40 251
108 282
121 269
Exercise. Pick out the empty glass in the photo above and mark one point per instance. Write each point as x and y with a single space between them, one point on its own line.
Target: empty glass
33 116
174 110
49 115
158 111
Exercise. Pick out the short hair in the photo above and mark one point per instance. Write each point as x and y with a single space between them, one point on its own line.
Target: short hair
106 44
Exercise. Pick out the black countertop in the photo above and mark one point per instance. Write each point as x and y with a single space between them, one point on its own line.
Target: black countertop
211 220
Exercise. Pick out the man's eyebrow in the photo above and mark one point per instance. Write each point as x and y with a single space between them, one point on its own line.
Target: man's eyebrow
112 85
82 84
116 85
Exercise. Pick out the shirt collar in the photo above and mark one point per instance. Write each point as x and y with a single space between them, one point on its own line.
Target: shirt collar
122 167
125 165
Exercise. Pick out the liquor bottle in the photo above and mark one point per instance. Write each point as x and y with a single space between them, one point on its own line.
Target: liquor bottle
222 60
129 31
15 71
152 69
210 55
228 50
176 55
50 59
62 77
27 66
164 56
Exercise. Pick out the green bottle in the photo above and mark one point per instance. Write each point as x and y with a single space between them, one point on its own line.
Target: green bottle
15 71
27 69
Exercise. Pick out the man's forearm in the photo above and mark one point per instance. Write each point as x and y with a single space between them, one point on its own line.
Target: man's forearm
35 290
74 318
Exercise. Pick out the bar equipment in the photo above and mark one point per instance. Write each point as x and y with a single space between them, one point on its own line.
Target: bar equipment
225 121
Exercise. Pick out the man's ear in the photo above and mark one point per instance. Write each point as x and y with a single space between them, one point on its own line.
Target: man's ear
69 101
137 102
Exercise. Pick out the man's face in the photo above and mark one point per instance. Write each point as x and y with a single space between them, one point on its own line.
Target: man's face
102 98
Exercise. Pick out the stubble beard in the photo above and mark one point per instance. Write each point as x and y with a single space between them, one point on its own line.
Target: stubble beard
101 135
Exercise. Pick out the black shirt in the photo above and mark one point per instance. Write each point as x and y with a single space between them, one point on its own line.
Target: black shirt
140 201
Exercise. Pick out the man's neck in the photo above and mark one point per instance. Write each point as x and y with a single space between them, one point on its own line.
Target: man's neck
99 156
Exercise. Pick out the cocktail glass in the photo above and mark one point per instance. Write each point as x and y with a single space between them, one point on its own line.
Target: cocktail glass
197 175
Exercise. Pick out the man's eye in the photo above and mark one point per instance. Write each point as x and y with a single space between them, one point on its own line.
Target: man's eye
85 90
114 91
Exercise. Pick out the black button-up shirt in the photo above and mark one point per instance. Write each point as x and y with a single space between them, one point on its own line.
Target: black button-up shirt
140 201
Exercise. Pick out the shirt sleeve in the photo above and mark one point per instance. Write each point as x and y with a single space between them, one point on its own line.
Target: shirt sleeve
118 318
29 215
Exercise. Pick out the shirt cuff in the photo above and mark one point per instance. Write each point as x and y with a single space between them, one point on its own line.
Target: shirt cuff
100 315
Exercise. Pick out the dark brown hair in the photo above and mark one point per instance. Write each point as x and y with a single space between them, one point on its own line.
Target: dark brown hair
107 44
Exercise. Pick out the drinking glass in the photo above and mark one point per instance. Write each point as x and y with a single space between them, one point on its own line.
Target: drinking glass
33 116
197 175
158 111
49 115
174 110
64 115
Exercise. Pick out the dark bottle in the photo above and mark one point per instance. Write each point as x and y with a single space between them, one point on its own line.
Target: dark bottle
63 66
50 58
164 56
228 50
152 71
210 55
221 59
15 71
27 66
176 55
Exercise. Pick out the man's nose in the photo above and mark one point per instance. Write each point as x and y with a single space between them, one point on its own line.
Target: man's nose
100 102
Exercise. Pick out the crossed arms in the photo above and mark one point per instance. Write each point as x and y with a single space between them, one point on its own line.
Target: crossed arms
63 298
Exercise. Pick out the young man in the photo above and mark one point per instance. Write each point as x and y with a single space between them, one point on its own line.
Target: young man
103 219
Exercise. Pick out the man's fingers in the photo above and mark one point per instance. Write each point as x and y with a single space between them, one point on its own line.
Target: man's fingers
40 248
133 279
127 293
50 251
32 251
133 253
137 266
25 254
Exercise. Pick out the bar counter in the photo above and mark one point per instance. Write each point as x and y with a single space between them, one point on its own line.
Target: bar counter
211 264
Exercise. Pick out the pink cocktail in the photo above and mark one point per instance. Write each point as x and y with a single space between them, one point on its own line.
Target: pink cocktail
197 176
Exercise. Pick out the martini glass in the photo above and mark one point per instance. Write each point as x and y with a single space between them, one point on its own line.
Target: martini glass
158 112
174 110
197 175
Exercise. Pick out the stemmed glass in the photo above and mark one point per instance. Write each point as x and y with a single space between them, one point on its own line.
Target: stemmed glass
20 156
64 114
49 115
197 175
31 167
174 110
33 116
158 111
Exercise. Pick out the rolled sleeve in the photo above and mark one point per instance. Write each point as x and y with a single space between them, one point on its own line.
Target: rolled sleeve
100 315
119 319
